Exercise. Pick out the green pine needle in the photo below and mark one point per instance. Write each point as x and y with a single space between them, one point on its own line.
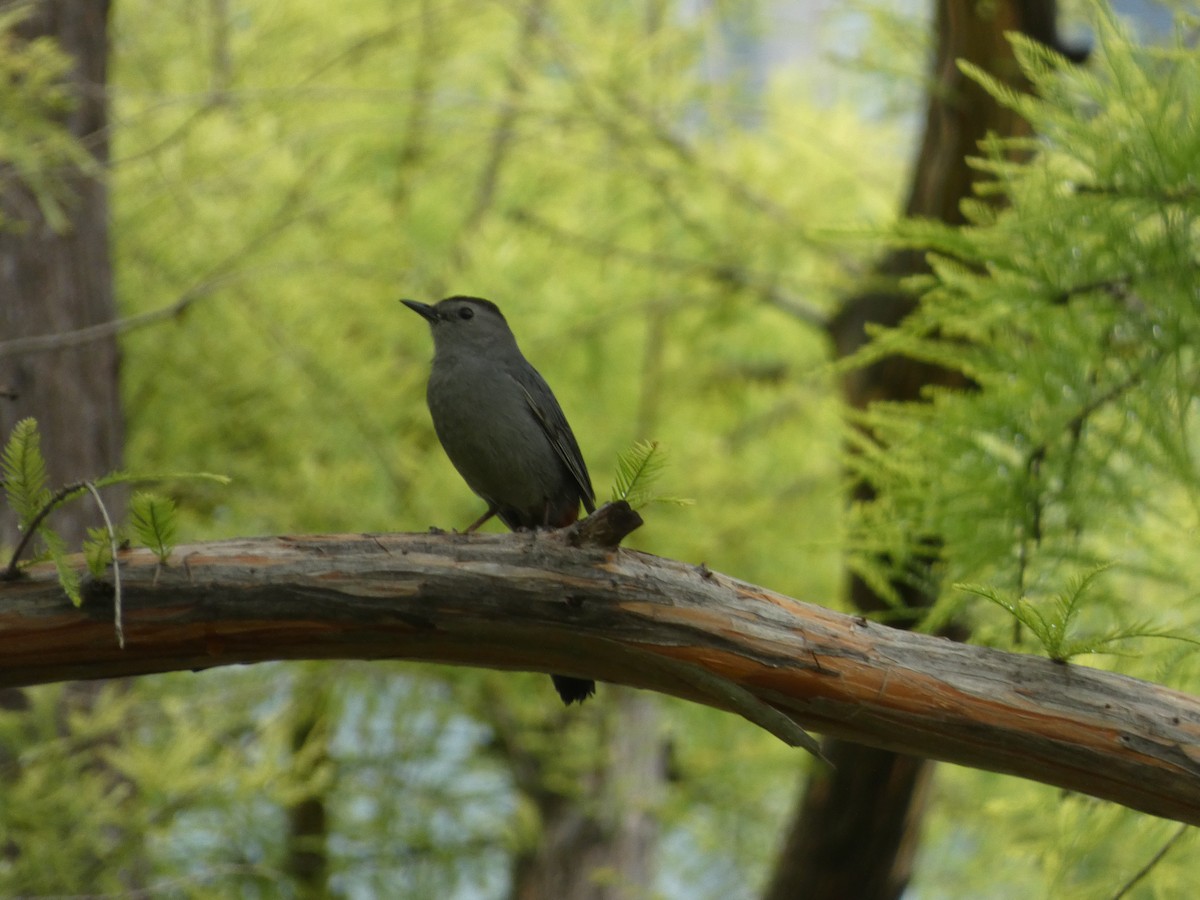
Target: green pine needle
68 577
1054 624
153 520
638 468
97 551
24 471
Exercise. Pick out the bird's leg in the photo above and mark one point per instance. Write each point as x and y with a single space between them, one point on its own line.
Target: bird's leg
491 511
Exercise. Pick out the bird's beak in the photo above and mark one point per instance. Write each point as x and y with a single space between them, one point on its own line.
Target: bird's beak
422 309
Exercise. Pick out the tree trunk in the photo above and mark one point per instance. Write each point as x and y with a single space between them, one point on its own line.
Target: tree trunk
598 842
856 828
53 282
307 852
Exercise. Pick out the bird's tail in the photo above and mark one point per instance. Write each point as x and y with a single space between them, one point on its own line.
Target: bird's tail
573 690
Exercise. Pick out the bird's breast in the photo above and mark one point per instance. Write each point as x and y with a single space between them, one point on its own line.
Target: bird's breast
485 425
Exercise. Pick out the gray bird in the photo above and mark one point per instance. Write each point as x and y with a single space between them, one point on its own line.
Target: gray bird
503 430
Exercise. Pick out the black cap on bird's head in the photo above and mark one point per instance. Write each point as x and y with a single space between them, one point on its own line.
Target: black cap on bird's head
467 327
454 308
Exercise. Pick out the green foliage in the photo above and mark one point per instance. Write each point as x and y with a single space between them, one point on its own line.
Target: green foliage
24 472
97 551
153 521
638 468
62 823
1062 488
37 150
1072 310
1054 844
662 246
59 554
660 258
1055 622
23 468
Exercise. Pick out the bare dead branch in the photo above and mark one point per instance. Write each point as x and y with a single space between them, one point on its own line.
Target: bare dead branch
79 336
533 601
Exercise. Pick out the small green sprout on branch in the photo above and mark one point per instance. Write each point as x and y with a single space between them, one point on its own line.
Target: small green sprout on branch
23 469
1055 624
638 468
153 520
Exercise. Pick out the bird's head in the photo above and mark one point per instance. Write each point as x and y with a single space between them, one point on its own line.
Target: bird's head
465 324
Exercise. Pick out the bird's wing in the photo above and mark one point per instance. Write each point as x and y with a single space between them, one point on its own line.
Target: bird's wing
550 416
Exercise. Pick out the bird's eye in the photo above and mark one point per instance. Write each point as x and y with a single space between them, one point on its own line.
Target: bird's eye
466 313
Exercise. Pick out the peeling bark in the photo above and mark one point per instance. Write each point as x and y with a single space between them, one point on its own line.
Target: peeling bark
532 602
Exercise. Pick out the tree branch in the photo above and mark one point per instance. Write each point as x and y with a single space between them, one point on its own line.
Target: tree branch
533 601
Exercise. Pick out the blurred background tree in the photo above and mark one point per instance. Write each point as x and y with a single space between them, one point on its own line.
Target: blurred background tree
672 219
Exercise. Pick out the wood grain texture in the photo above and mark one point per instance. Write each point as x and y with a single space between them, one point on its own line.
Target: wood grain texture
532 601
